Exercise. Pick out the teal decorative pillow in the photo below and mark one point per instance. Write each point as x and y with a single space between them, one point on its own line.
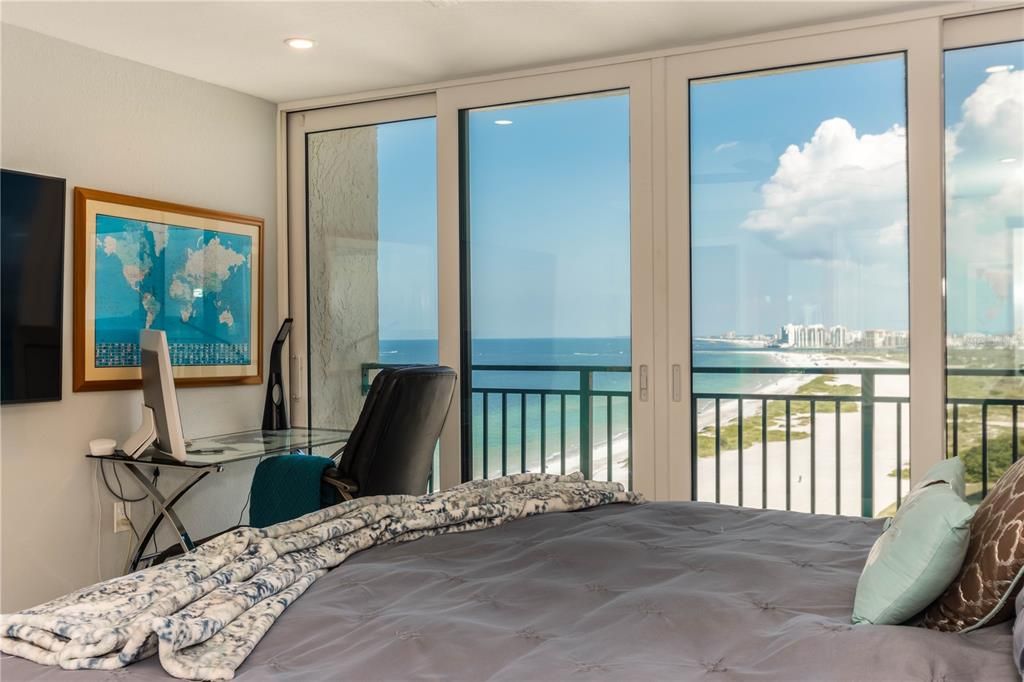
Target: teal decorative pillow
951 471
916 558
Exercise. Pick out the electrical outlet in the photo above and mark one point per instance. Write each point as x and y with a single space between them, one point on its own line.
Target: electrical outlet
121 522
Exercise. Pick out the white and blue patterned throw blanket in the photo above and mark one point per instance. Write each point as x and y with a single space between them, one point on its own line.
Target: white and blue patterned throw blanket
205 611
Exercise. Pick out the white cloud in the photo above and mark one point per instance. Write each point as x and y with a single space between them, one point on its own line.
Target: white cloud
840 196
984 194
997 108
726 145
895 234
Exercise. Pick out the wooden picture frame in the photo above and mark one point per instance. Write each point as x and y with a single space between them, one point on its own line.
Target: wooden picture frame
194 272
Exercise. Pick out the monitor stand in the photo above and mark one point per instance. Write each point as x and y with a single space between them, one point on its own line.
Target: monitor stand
144 436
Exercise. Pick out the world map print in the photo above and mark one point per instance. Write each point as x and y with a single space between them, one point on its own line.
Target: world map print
195 284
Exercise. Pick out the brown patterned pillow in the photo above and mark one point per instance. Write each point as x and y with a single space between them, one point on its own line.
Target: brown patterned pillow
991 575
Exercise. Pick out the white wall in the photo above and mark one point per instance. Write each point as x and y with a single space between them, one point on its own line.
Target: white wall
111 124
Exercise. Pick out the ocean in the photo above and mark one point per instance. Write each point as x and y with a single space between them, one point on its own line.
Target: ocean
567 352
589 352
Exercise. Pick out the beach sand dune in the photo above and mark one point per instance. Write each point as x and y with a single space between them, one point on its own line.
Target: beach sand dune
825 465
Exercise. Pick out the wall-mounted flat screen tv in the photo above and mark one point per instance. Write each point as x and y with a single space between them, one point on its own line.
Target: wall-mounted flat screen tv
31 286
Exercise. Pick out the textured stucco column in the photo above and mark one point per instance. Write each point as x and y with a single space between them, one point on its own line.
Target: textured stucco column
342 173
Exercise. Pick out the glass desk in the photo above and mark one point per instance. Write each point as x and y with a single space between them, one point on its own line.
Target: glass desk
206 456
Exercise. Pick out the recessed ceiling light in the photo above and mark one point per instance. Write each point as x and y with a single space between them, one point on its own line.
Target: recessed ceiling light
503 122
999 68
300 43
1008 159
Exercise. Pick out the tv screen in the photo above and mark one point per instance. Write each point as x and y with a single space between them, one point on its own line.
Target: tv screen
31 286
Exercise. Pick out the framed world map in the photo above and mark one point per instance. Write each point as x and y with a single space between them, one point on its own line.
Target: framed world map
195 273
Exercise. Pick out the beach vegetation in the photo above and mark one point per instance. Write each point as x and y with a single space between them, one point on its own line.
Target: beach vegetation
1000 457
984 387
906 472
799 417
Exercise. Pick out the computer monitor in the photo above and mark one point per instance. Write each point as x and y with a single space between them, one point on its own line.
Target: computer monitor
161 419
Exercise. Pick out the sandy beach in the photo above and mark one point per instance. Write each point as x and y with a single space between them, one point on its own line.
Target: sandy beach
825 463
849 464
599 472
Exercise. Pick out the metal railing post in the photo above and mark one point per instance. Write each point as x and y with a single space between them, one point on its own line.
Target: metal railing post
586 451
867 445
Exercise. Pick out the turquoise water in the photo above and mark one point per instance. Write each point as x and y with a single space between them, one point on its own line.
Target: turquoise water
589 352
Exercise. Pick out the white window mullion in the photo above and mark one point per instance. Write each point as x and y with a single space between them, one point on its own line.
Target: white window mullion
449 280
927 312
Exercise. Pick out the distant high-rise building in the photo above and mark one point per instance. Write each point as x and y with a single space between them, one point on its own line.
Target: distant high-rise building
874 338
837 336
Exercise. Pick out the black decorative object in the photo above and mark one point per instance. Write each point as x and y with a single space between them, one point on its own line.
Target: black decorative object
32 286
275 414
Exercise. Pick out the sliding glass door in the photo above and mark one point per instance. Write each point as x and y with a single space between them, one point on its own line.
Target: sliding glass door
984 138
555 353
772 274
367 218
799 286
549 286
791 275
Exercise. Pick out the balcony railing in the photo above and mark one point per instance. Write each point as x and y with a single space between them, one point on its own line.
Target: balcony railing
587 398
574 412
570 410
866 401
993 413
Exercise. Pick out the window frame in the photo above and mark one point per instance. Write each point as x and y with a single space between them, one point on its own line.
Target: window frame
988 28
659 202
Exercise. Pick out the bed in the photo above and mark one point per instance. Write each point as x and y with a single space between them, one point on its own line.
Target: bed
661 590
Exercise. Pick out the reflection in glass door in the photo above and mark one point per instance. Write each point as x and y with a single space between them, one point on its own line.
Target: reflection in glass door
984 102
547 201
372 259
799 287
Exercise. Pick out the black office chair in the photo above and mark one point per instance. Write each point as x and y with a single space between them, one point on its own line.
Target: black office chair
391 448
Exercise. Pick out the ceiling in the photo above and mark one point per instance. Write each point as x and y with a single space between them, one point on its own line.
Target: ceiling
371 45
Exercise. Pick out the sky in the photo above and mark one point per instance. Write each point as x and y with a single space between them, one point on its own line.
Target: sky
549 219
799 201
799 205
407 229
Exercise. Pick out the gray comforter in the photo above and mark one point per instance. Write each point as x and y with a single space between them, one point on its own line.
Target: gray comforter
663 590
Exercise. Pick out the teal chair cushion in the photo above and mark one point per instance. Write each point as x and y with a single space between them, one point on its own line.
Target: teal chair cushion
287 487
916 557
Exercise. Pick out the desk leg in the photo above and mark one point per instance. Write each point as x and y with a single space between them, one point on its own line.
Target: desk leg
166 508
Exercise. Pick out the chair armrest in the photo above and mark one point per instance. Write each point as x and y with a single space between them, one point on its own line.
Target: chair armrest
345 486
337 454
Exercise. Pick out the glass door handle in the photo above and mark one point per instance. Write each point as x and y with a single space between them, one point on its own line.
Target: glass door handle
643 383
298 377
677 383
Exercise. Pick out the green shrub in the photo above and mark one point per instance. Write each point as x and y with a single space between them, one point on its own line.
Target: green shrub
1000 455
